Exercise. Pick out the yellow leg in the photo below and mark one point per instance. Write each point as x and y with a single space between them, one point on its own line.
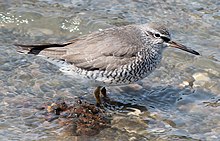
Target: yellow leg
97 95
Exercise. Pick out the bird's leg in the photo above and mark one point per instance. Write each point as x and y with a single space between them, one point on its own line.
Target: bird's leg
103 92
97 95
105 96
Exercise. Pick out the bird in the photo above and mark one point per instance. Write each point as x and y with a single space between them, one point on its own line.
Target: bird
113 56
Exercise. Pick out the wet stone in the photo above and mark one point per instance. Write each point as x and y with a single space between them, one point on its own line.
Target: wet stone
78 117
201 77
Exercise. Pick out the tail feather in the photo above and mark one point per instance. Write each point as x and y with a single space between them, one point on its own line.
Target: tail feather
37 48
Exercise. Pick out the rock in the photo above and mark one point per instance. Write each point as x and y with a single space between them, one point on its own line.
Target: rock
201 79
80 117
201 76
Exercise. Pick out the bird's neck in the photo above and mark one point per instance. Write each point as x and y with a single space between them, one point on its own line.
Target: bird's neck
150 56
151 52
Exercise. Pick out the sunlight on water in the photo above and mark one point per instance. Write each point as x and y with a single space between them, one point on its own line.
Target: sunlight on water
179 101
7 18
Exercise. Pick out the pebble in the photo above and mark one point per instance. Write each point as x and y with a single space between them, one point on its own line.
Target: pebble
201 76
136 112
201 79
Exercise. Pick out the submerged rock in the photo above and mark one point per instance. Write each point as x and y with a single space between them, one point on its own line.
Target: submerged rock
80 117
201 77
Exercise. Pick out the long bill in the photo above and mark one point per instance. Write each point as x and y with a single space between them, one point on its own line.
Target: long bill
182 47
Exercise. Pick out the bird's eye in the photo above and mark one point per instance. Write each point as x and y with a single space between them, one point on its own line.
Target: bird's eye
157 35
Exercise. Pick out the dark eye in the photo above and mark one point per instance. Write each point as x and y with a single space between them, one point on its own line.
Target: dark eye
157 35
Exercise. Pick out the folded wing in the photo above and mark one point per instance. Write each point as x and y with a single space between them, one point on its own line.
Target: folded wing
104 50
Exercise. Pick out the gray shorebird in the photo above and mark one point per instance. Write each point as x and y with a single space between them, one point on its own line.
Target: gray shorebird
114 56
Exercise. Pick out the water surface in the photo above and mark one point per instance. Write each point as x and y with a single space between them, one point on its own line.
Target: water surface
179 101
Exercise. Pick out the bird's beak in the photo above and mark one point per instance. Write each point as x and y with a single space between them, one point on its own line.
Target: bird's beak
182 47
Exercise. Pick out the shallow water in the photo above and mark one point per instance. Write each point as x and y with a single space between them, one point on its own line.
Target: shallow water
179 101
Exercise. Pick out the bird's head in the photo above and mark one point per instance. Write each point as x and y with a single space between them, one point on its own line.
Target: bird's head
158 34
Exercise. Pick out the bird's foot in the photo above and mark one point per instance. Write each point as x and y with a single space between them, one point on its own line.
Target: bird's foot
97 93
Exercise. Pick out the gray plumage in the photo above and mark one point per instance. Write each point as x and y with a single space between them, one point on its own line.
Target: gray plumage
118 55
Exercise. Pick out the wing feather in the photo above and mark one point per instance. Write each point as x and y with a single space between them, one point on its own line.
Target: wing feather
105 50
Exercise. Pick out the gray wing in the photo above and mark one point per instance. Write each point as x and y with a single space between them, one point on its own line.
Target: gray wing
105 50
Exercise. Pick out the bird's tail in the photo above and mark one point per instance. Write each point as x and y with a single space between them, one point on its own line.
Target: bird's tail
38 48
51 52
